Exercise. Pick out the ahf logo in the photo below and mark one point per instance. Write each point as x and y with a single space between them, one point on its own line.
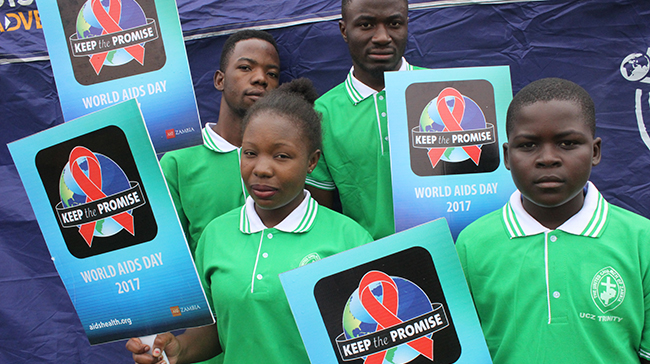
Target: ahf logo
607 289
635 68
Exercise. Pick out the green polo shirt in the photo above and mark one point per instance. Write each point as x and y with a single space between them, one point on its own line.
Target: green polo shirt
356 153
204 182
576 294
239 259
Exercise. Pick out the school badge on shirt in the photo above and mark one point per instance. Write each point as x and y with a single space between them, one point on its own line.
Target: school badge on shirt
607 289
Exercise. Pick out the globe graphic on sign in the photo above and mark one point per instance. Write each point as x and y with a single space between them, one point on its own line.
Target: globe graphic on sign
413 302
635 66
88 26
113 181
473 118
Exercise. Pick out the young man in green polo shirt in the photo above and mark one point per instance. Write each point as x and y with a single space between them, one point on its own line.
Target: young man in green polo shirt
558 275
356 154
205 181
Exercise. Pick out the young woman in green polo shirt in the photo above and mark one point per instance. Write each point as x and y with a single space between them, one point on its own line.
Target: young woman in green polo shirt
241 253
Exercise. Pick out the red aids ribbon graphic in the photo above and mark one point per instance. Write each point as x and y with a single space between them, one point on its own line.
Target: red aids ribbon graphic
385 312
91 185
110 22
452 120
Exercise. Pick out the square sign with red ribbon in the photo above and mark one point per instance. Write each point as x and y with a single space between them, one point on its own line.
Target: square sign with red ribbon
104 52
446 129
109 223
401 299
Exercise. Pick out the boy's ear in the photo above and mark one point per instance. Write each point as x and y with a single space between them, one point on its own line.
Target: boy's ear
595 159
218 80
506 161
313 160
342 30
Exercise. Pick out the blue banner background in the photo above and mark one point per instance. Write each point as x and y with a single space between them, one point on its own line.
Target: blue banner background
584 41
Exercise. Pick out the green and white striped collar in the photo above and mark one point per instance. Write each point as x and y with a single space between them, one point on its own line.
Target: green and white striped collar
300 220
214 141
358 91
589 221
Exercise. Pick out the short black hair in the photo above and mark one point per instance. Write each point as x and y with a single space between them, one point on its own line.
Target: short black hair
235 38
548 89
294 100
346 3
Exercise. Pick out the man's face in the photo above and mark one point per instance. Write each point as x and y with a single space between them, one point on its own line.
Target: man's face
376 33
253 69
550 152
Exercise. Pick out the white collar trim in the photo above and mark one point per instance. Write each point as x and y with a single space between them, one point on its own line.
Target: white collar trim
364 91
298 221
589 221
214 141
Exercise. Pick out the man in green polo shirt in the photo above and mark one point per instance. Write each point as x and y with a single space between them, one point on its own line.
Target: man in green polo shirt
356 154
205 181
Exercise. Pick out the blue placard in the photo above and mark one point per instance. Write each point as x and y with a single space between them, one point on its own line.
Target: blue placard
402 299
446 128
101 201
106 52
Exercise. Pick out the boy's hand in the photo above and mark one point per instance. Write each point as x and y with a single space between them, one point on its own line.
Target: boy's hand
166 342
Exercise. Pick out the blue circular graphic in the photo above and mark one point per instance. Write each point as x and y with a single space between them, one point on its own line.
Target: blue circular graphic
113 181
413 302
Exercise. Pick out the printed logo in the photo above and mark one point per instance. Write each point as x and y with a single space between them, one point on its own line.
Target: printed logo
310 258
377 301
19 16
110 39
635 68
96 193
373 316
451 132
176 311
84 202
607 289
173 133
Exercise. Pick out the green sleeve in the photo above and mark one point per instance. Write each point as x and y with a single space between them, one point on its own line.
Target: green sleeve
644 254
169 165
461 249
321 177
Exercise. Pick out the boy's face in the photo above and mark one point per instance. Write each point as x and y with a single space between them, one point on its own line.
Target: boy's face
550 152
376 32
253 69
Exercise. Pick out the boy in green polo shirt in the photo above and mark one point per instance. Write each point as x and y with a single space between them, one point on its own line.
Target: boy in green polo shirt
558 275
204 181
